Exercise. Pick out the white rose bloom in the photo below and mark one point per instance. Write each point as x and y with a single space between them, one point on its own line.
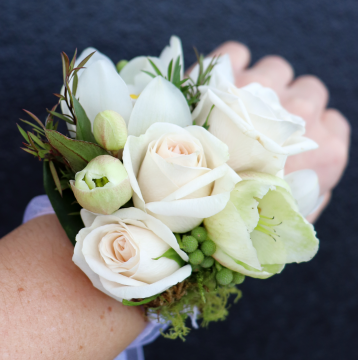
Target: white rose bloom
259 132
178 175
133 73
117 254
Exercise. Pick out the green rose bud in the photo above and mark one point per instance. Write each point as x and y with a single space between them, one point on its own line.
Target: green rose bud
199 233
196 257
110 130
208 247
207 262
190 244
224 276
103 186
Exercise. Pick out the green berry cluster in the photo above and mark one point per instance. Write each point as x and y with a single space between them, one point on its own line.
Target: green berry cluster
200 249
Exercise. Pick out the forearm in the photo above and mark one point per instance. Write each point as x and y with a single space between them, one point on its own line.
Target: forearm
48 307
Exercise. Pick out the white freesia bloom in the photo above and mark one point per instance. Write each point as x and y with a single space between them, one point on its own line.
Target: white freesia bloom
305 190
178 175
220 77
117 254
160 101
261 229
100 88
133 73
259 132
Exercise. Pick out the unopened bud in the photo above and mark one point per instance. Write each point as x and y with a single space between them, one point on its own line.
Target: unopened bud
110 130
121 64
102 186
199 233
224 276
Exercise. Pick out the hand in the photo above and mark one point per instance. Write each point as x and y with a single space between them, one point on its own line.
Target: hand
305 96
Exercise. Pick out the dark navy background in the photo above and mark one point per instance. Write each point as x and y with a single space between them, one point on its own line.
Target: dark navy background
309 311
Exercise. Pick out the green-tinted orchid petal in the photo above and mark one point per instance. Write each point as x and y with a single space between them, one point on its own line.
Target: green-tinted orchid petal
228 230
245 197
238 266
289 238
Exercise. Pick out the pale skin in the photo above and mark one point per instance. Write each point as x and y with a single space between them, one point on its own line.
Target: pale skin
48 307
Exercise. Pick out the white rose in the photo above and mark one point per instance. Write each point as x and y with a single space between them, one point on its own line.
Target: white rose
178 175
117 254
259 132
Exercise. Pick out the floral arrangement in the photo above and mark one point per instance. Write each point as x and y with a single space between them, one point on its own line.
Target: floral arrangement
171 186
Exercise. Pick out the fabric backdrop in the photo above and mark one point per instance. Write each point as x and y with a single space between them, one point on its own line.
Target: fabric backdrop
309 311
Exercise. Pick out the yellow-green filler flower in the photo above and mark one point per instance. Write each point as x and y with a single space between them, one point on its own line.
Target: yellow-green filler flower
102 186
260 230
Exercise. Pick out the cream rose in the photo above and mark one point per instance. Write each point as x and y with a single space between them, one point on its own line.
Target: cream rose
117 252
179 176
259 132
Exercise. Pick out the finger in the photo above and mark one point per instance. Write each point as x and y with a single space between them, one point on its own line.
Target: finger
239 55
271 71
337 125
314 217
307 97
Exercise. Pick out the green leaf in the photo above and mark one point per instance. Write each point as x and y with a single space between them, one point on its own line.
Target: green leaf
29 151
65 66
37 140
60 116
83 126
205 125
172 255
23 133
84 61
145 301
35 127
150 74
35 118
63 206
176 73
72 65
75 84
77 153
170 67
55 177
155 68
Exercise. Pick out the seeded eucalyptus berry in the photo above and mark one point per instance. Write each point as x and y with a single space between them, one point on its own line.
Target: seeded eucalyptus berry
208 247
224 276
238 278
207 262
199 233
196 257
190 244
195 268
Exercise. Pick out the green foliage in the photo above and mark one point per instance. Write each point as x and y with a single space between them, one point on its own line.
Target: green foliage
173 255
77 153
202 292
83 127
64 205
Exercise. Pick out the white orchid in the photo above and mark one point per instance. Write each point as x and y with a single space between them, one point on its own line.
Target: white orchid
137 80
261 229
259 132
